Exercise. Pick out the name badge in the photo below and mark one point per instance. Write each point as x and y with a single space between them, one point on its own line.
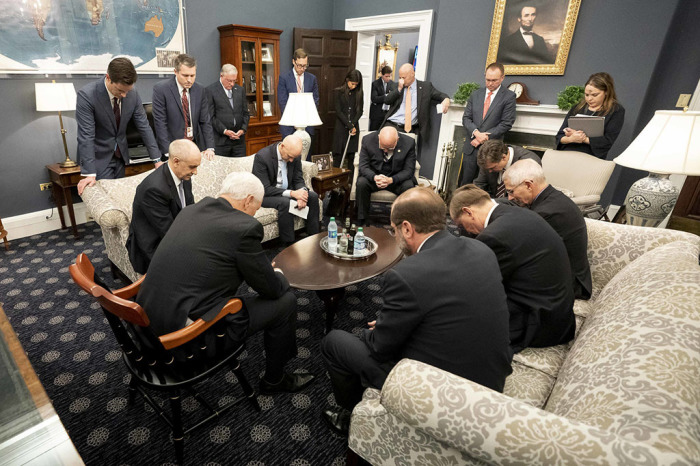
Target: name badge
190 134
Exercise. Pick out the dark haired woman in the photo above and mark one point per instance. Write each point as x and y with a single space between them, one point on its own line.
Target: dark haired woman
348 110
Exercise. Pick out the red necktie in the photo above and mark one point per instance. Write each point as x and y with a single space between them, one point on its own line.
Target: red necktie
118 118
186 111
487 103
300 88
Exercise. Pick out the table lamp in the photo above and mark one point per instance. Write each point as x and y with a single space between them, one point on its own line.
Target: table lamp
57 97
301 112
669 144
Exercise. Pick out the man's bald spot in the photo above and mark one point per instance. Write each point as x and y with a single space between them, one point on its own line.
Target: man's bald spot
388 136
184 149
293 145
406 68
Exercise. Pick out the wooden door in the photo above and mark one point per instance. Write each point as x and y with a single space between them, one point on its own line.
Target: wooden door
686 213
331 56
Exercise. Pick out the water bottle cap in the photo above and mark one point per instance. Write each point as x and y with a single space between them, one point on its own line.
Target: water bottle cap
360 229
332 219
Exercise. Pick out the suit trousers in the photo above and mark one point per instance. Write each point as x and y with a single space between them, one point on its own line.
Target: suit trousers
351 367
232 148
470 169
285 220
366 187
114 169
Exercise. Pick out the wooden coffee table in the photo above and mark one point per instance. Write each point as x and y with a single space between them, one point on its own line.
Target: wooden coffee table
308 267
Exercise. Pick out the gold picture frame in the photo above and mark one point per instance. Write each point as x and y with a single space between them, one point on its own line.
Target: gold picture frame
323 162
554 29
386 55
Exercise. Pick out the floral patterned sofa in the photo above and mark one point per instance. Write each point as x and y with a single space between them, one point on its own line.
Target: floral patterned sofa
625 391
109 202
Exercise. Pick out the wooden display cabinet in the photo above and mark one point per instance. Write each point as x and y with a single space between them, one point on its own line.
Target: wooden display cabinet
254 51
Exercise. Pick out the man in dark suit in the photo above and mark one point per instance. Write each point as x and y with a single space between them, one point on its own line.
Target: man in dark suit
489 114
181 110
210 249
387 161
158 200
102 111
527 186
296 80
380 89
533 262
443 305
420 96
229 113
524 47
494 159
278 166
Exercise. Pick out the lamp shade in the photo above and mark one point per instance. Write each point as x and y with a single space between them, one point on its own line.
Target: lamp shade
300 111
669 144
54 97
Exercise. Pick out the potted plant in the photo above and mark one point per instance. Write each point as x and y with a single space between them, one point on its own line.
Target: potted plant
570 96
464 90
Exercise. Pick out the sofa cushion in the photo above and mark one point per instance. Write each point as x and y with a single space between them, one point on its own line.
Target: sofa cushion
529 385
634 369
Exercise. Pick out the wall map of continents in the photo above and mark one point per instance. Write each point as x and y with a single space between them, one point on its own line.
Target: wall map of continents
82 36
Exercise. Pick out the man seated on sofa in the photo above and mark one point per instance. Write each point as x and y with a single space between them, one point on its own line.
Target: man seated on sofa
432 312
387 161
533 262
210 249
493 159
278 166
527 186
158 200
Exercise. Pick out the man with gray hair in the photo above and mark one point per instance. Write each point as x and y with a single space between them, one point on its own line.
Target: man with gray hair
228 108
210 249
527 186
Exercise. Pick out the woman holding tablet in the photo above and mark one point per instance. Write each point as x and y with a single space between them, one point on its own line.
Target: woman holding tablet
599 100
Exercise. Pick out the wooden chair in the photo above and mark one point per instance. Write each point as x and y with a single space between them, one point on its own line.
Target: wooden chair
171 363
3 236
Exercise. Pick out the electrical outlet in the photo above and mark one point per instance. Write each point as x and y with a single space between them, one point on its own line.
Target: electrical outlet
683 100
44 186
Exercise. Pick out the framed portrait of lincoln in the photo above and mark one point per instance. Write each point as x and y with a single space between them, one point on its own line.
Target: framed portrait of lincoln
532 36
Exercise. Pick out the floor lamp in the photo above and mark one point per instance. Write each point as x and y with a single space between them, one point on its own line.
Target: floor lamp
669 144
301 112
57 97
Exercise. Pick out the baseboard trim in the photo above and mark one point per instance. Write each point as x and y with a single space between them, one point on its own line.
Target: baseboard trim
34 223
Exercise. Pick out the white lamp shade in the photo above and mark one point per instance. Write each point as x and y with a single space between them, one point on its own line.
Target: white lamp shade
669 144
54 97
300 111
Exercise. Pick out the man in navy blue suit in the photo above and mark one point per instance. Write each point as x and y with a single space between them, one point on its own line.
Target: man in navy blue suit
296 80
102 111
181 109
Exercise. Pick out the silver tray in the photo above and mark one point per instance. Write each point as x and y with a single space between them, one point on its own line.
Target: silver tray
370 249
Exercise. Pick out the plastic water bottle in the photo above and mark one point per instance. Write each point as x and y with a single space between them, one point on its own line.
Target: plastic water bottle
359 246
332 235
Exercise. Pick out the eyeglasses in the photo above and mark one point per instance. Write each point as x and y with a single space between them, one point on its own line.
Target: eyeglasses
303 67
510 191
391 230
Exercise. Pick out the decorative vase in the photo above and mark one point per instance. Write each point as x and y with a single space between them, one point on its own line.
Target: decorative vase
305 142
650 200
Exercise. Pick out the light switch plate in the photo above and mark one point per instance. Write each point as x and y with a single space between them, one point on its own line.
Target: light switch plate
683 100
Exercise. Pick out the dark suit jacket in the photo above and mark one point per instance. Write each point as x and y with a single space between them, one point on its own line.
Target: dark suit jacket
513 50
347 113
489 181
377 97
210 249
428 97
536 275
433 313
565 217
156 204
169 119
600 145
403 162
288 84
223 115
265 167
98 134
499 119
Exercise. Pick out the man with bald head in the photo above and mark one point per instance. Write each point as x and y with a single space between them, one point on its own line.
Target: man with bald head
411 103
279 168
158 200
229 113
432 311
387 161
527 186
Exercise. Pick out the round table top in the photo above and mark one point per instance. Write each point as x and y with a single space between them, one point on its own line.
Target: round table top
308 267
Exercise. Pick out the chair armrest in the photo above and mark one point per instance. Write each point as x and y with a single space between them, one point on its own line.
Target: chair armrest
586 200
129 291
187 334
497 429
308 171
102 208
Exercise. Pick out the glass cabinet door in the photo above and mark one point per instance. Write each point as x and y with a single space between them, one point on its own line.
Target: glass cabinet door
248 78
267 79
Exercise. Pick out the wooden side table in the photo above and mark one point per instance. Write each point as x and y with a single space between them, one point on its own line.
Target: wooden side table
336 178
3 236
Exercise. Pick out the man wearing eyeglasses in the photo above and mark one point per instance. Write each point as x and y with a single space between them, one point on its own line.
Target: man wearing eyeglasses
296 80
494 158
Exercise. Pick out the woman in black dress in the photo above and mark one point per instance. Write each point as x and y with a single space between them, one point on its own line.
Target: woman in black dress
348 109
599 100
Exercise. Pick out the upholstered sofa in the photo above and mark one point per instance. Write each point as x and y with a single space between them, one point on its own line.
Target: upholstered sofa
625 391
109 202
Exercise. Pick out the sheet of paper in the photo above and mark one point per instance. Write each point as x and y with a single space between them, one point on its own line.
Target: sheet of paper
303 213
438 107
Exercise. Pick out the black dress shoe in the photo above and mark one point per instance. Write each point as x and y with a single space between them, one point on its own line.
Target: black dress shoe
290 383
338 419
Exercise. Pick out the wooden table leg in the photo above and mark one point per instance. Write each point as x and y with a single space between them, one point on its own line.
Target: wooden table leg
331 301
71 214
58 199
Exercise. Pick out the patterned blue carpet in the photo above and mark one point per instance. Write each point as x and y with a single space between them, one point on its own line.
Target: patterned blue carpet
79 363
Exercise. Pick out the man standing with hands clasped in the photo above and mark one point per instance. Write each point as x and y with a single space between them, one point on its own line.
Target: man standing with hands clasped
229 113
